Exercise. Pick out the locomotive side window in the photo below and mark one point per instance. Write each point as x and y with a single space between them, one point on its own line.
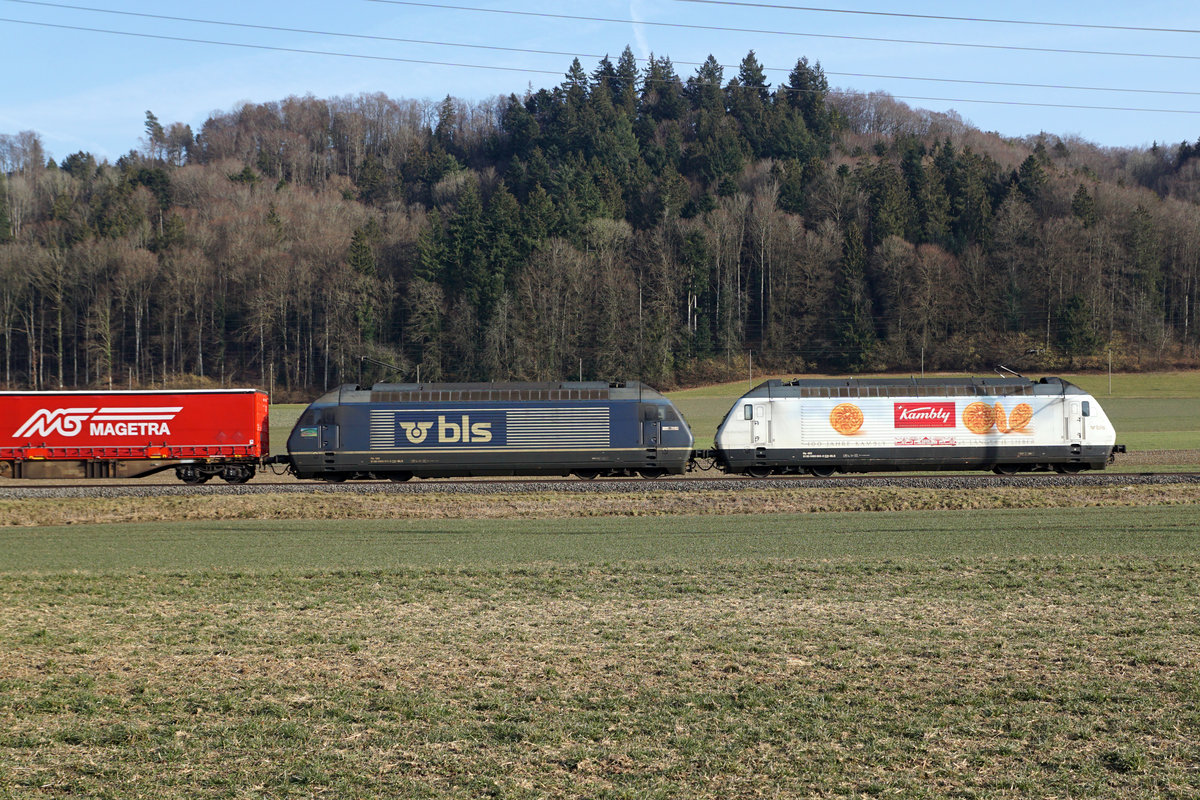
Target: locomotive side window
748 412
650 413
1087 408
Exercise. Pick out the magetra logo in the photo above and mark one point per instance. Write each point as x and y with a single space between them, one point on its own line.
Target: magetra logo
68 422
63 421
460 431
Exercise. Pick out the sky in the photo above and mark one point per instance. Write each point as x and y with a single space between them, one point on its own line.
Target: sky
84 83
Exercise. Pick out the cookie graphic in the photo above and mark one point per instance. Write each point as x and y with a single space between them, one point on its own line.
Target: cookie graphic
846 418
1021 417
978 417
1001 418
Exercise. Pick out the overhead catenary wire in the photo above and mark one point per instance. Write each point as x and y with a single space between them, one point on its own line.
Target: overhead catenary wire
776 32
277 48
942 17
531 70
533 51
399 59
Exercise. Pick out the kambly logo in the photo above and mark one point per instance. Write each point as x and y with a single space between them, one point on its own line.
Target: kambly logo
924 415
69 422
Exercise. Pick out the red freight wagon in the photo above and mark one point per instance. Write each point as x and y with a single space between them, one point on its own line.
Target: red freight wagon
200 434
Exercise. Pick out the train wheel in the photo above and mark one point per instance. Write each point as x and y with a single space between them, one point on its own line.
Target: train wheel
1005 469
333 477
587 474
399 477
759 472
1068 469
237 474
192 476
821 472
650 473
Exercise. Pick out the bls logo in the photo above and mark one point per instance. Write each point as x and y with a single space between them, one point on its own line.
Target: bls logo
449 432
416 431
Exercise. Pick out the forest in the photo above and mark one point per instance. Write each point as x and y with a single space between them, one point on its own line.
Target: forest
628 223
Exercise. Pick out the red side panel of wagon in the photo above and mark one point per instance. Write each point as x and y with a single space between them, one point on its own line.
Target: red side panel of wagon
201 433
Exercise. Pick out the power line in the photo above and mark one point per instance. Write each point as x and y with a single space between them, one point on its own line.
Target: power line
1007 83
938 17
398 59
723 29
276 48
437 43
279 29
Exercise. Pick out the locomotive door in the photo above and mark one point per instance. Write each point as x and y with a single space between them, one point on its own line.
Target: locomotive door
651 432
760 423
1076 412
652 416
329 437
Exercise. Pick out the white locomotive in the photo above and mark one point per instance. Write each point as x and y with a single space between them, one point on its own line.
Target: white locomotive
822 426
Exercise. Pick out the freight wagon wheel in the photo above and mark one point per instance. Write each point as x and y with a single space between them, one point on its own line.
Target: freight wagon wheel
587 474
759 472
651 473
231 475
1005 469
821 472
192 476
399 477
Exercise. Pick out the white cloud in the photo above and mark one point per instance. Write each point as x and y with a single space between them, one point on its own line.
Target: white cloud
639 31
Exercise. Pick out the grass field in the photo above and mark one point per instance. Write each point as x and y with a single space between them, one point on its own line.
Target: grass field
731 497
995 654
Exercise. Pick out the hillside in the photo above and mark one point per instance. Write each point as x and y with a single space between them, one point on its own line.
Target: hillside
625 223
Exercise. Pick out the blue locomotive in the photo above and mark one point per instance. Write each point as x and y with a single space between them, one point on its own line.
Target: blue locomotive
438 430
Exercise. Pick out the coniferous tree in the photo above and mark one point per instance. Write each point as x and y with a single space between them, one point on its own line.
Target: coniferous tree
1076 329
6 232
464 269
747 95
807 90
625 85
1083 206
853 333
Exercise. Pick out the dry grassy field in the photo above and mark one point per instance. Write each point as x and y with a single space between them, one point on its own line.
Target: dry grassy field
743 497
986 654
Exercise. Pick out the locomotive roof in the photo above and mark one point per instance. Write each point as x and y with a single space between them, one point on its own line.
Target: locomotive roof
509 391
809 387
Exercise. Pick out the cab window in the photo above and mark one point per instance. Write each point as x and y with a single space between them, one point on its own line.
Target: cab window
749 411
653 413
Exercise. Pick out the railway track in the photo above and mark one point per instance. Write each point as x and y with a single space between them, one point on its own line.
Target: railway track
957 481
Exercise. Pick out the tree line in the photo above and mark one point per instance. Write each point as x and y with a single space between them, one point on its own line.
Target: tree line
624 223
